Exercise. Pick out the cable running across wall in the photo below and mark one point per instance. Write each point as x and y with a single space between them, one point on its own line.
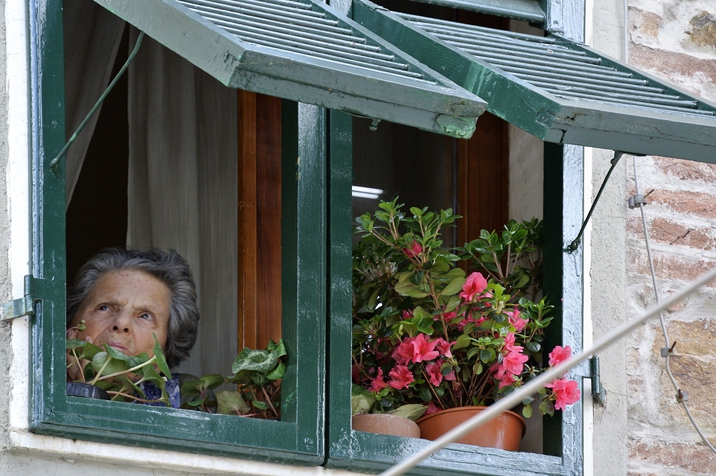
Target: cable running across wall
667 351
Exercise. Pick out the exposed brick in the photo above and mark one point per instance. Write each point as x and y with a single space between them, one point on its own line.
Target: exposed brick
664 230
668 267
684 201
697 458
703 30
687 170
671 64
643 24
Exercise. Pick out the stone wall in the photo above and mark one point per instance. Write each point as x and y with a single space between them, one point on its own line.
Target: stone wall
675 40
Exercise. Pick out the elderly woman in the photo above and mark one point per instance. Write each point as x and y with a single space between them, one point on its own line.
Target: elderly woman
125 297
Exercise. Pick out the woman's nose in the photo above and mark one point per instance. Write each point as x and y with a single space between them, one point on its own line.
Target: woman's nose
121 322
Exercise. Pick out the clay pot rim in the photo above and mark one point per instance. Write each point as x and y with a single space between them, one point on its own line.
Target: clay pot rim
478 407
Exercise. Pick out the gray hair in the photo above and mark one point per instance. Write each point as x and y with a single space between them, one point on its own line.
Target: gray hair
167 266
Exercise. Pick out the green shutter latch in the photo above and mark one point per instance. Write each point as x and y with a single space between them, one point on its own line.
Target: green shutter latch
23 306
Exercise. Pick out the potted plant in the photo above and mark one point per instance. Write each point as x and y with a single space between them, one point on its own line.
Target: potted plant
110 374
425 331
257 375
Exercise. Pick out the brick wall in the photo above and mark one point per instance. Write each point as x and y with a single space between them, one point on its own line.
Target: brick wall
675 40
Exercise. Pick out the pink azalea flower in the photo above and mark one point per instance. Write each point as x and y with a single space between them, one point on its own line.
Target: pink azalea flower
506 380
516 320
434 374
423 349
514 362
403 352
401 377
566 392
414 250
475 284
407 314
378 384
443 347
559 354
432 408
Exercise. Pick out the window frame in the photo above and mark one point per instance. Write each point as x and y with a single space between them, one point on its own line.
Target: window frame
298 438
349 449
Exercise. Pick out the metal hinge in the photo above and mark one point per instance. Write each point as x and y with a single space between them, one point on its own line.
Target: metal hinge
598 394
24 306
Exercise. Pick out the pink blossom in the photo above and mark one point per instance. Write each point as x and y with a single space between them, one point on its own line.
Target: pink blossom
403 352
378 384
443 347
566 392
401 377
474 284
432 408
423 349
434 374
559 354
516 320
407 314
414 250
506 380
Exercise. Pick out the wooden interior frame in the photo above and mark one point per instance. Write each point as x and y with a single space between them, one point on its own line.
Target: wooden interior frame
259 219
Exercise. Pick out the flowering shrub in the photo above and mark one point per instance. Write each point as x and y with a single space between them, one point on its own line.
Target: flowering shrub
426 332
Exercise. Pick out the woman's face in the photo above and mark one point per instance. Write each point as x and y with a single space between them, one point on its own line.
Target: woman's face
123 310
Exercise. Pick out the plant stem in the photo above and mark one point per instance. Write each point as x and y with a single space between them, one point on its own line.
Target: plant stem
137 367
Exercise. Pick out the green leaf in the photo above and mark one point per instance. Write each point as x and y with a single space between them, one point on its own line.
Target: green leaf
279 348
452 303
462 341
412 411
533 346
487 355
191 388
453 287
406 288
211 381
111 366
277 373
259 404
527 411
230 402
161 360
256 360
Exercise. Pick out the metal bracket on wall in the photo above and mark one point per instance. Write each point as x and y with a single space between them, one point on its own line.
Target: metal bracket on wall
24 306
598 394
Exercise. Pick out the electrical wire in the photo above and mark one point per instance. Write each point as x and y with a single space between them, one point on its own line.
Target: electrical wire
668 348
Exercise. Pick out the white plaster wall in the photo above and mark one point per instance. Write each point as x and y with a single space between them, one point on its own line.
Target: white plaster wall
606 271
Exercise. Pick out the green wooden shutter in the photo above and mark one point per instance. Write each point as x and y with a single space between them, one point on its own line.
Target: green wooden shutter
553 88
305 51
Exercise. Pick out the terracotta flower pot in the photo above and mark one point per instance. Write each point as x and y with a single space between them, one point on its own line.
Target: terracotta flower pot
386 424
503 432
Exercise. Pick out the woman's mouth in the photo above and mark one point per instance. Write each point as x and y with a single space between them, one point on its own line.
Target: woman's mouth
119 347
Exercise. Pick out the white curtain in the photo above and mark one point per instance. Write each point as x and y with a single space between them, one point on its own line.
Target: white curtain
183 187
92 38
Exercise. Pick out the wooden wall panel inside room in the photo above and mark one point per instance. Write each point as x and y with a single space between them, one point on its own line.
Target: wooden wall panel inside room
259 212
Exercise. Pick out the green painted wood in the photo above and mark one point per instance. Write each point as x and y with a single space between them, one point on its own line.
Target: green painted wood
359 451
528 10
539 101
298 438
373 80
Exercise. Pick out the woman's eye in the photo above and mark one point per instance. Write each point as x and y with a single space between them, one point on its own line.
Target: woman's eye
103 307
146 316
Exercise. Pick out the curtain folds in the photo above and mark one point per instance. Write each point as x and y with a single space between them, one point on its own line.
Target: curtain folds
91 44
182 190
